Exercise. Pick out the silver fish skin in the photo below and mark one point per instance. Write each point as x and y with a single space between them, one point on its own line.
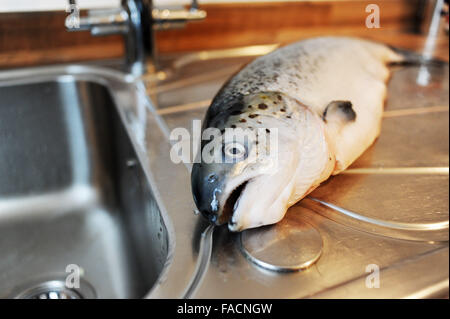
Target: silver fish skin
323 97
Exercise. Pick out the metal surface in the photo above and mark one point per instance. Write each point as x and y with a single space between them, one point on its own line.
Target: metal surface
97 188
390 209
132 19
79 186
164 19
290 245
57 289
135 20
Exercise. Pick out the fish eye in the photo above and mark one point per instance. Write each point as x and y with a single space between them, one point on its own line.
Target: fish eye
235 150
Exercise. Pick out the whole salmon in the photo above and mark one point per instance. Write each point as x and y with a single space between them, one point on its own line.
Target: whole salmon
323 97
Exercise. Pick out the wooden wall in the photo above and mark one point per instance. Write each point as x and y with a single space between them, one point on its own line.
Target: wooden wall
230 25
40 38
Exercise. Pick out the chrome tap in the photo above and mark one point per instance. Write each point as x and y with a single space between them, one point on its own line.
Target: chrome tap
136 20
164 19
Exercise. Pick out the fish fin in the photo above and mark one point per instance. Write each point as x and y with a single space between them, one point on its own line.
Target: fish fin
342 109
411 58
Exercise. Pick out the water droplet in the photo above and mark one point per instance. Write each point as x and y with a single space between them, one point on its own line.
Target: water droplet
131 162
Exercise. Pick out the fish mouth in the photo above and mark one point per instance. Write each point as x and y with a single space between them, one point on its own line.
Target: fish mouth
231 203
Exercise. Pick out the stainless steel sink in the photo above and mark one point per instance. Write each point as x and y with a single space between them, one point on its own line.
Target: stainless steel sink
73 187
72 191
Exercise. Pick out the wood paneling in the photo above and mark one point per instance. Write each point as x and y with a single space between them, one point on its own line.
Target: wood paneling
40 38
231 25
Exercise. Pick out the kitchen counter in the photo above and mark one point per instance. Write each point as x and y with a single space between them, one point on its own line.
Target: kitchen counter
387 215
389 209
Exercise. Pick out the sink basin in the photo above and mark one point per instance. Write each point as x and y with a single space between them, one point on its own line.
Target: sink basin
73 194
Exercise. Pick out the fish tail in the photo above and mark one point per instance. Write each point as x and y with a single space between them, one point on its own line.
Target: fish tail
411 58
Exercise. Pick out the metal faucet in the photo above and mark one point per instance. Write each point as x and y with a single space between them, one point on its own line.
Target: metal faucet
136 20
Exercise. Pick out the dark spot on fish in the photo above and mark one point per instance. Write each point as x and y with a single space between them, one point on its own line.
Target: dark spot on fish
249 106
259 122
282 110
267 130
233 126
279 97
236 107
256 142
252 116
262 106
242 120
235 112
275 102
288 116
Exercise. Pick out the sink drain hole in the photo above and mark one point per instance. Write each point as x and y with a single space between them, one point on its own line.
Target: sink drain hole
55 289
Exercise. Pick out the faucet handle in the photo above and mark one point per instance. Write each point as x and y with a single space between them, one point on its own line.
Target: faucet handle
164 19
